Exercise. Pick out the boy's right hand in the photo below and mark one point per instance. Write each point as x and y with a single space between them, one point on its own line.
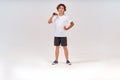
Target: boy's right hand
54 14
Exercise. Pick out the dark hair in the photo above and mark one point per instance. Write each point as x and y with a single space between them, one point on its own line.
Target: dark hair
61 5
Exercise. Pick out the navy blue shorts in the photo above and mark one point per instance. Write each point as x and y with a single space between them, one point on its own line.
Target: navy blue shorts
60 41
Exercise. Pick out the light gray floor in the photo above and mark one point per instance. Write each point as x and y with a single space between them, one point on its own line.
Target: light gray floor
34 67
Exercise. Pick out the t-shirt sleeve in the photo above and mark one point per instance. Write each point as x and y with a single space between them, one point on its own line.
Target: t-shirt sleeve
68 20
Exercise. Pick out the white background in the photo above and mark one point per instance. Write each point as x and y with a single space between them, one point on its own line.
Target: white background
26 37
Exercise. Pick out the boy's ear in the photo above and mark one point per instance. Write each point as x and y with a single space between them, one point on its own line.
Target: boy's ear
64 9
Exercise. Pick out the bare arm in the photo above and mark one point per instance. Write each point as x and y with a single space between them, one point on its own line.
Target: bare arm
70 26
50 19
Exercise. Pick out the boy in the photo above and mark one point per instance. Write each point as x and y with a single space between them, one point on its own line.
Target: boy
60 38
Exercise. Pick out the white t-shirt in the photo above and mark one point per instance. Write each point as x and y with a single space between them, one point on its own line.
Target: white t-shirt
60 22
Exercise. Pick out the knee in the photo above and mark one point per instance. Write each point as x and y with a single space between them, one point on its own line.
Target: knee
64 47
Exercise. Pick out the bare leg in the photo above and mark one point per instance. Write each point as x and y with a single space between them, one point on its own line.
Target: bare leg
65 52
57 52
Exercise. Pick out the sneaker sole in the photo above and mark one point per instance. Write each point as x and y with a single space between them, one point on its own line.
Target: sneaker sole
54 63
69 63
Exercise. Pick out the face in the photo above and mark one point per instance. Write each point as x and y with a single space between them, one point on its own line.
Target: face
61 10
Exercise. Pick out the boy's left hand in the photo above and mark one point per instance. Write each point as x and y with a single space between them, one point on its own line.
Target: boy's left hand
65 28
